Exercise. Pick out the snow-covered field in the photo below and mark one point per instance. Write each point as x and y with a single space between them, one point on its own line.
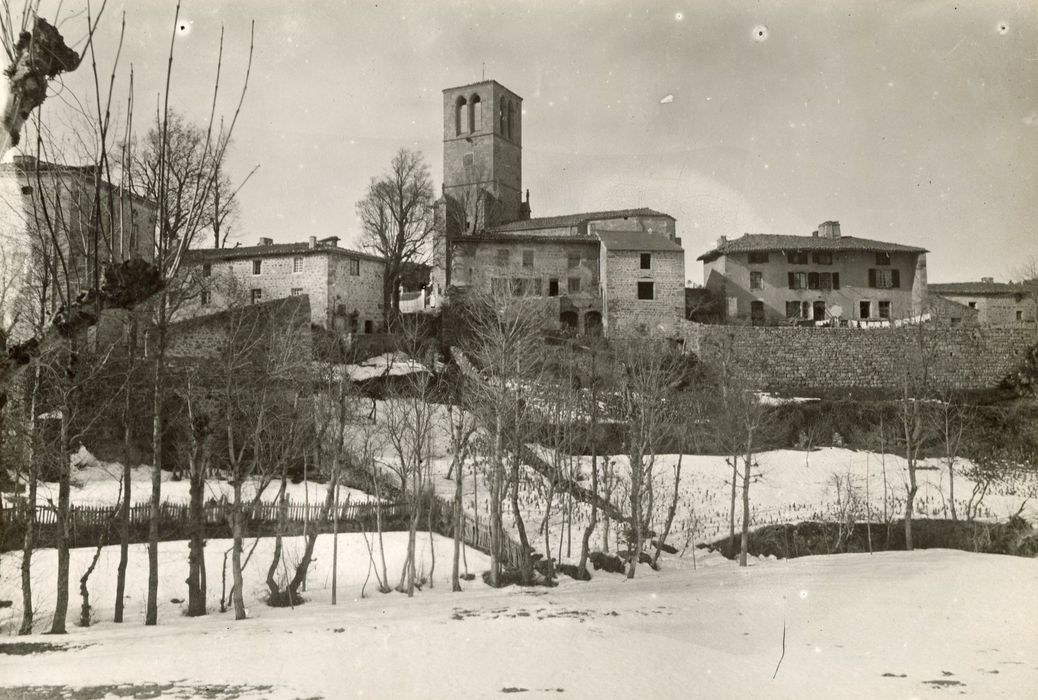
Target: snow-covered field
890 625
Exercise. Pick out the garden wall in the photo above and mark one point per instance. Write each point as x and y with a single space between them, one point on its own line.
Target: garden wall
798 358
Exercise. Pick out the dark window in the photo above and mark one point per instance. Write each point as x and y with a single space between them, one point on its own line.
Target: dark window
460 117
502 257
573 260
825 280
476 117
553 287
297 291
369 326
528 258
756 280
895 279
822 257
255 295
882 258
836 280
646 261
796 257
973 304
792 309
645 290
257 266
1019 315
864 309
354 267
207 270
573 285
884 309
758 256
205 298
757 313
812 280
819 310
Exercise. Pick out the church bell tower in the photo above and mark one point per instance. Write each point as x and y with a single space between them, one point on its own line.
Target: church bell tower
482 156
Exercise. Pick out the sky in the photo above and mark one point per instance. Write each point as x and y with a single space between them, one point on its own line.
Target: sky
913 122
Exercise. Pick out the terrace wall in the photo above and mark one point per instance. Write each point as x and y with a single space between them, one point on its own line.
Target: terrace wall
796 358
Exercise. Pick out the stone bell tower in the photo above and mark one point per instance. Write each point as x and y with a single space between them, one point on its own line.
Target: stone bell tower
482 156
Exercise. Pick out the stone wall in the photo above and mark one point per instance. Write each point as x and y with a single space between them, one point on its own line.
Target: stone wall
207 336
792 359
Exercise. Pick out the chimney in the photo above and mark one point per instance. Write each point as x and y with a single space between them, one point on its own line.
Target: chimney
829 229
721 241
989 280
266 241
332 241
814 234
313 242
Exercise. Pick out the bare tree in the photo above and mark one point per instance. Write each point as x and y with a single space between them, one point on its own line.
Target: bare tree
397 220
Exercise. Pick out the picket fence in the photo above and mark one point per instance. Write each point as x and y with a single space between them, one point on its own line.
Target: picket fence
87 525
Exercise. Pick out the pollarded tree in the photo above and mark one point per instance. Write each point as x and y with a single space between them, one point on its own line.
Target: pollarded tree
397 217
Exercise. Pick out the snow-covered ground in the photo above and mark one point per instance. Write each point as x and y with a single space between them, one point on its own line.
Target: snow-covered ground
889 625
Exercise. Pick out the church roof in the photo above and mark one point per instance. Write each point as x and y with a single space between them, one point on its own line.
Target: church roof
760 242
637 240
568 220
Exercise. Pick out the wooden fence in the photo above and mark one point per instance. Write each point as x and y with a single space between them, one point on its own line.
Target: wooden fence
89 525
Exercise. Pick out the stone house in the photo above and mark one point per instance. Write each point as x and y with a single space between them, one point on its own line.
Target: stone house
995 303
766 279
43 205
344 286
587 268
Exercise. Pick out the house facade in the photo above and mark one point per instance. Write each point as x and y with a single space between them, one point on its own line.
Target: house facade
616 271
48 212
995 303
344 286
766 279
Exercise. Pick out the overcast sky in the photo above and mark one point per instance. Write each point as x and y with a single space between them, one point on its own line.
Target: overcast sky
914 122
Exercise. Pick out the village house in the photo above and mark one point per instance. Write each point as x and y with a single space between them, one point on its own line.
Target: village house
767 279
613 272
50 224
344 286
995 303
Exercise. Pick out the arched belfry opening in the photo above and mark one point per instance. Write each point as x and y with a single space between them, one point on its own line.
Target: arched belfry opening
461 117
475 113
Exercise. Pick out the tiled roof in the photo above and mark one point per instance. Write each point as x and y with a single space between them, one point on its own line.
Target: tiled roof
976 288
506 237
772 242
637 240
272 250
575 219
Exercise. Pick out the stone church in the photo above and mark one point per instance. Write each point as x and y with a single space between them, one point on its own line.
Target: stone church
619 272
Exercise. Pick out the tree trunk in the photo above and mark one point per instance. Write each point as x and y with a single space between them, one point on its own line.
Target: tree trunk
745 540
670 513
238 535
196 588
458 525
151 615
496 478
586 541
913 487
276 596
951 487
64 522
731 510
335 535
525 565
27 548
124 507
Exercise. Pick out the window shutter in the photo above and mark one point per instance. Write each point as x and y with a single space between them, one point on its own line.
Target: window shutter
812 280
836 280
895 279
792 280
872 277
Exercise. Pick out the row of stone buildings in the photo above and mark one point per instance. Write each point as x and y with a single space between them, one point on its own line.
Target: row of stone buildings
614 272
